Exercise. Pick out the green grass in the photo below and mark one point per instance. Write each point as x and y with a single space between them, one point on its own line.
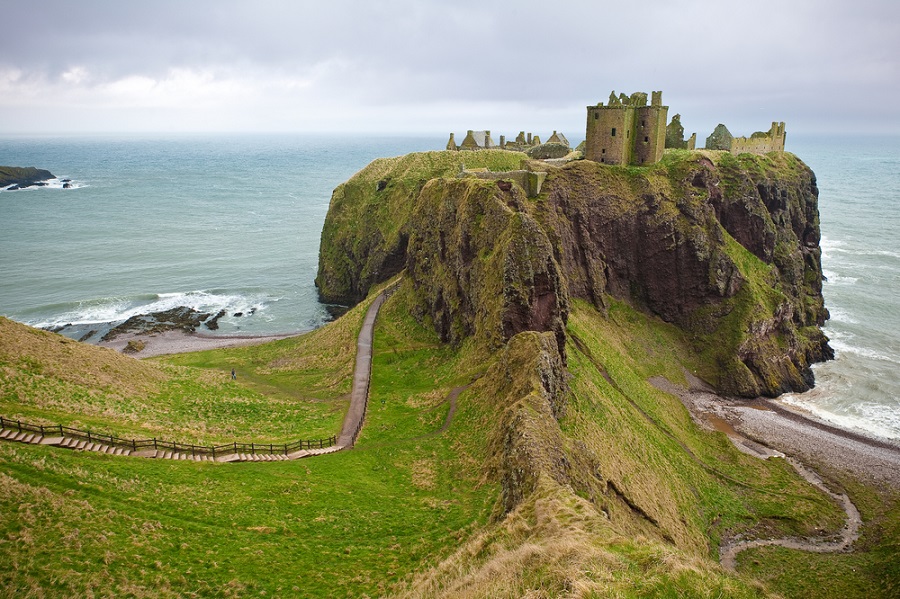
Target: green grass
696 484
409 510
343 525
872 570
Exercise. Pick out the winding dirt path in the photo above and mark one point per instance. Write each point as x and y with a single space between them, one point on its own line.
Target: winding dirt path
848 535
709 410
362 374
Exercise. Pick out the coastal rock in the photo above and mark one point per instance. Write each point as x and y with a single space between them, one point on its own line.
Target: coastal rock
482 265
183 318
366 231
213 323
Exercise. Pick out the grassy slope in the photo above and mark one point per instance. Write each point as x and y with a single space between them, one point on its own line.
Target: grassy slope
348 524
289 389
382 515
685 487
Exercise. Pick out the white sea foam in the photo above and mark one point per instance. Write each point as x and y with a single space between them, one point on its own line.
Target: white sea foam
841 315
55 183
856 251
115 309
832 278
840 345
872 418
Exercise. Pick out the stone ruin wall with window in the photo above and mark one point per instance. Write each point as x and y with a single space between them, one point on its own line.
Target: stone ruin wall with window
626 130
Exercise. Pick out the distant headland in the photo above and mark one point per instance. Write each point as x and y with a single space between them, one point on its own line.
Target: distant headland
16 177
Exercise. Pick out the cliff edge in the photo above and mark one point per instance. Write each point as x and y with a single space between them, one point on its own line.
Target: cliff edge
725 247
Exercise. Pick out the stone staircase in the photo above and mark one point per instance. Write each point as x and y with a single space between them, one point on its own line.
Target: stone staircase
78 444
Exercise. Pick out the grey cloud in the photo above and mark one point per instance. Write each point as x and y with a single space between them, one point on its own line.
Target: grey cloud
747 62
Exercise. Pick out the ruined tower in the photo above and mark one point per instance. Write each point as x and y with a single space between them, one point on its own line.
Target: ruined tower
627 131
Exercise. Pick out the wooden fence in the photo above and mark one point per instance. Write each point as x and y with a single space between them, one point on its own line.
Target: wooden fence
139 444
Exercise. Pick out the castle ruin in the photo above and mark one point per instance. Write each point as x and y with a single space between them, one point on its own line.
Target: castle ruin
626 131
481 140
761 142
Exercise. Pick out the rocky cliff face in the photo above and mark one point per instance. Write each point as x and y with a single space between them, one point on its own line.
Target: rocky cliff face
725 247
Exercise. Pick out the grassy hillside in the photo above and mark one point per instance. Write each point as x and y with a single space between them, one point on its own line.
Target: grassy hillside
290 389
412 511
345 525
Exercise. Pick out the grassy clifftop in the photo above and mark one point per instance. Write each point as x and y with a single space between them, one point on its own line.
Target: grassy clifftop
726 248
24 176
367 228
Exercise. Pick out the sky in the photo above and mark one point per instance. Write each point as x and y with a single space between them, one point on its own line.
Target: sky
432 66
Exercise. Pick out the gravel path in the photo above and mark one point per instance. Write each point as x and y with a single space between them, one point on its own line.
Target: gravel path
764 428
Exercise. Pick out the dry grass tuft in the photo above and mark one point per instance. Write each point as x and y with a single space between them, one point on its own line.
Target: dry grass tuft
26 350
423 474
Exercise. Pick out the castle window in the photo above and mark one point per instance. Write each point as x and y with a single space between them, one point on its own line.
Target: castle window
596 115
643 123
646 139
613 131
603 151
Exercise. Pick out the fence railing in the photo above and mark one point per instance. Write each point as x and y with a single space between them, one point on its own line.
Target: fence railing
161 444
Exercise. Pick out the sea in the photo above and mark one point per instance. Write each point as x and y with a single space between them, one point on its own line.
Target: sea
146 223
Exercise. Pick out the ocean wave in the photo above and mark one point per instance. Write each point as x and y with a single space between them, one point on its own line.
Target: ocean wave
864 252
876 419
840 345
117 309
835 279
55 183
841 315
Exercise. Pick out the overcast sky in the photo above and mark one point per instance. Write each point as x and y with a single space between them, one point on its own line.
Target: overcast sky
429 66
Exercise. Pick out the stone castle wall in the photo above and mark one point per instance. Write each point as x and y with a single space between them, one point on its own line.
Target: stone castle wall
626 131
761 143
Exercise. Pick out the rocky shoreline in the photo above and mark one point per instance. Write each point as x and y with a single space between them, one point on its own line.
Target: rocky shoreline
768 428
172 331
176 341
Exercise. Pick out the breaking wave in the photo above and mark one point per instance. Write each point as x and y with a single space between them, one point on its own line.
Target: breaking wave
117 309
